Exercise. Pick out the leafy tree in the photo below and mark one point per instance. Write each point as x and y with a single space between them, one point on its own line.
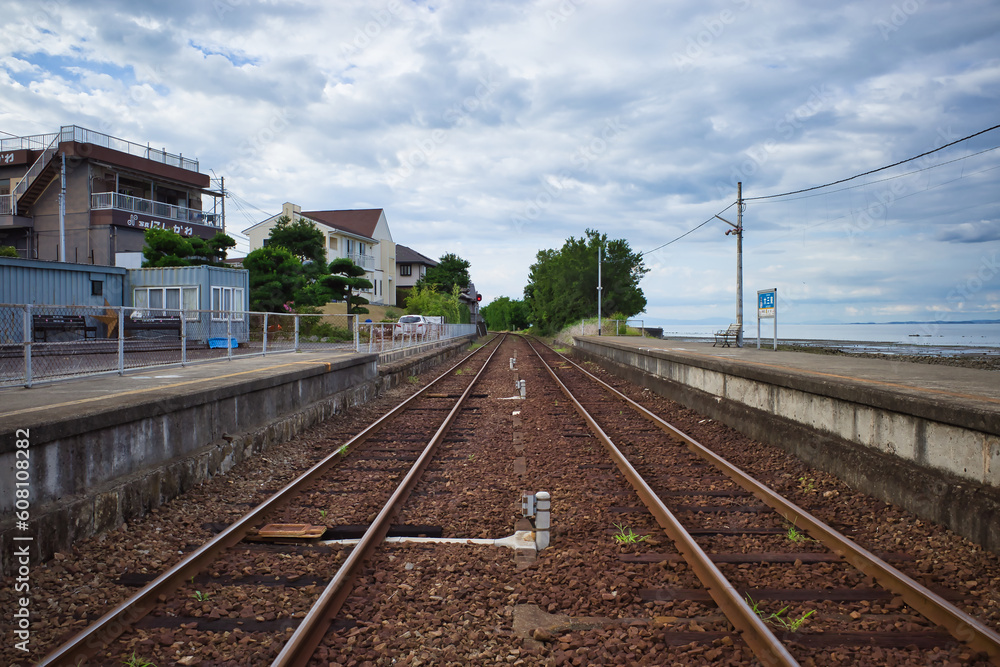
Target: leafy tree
425 300
450 271
8 251
562 284
505 314
165 247
345 278
275 278
302 238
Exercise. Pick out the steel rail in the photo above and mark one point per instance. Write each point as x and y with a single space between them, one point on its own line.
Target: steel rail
961 625
299 648
765 645
116 621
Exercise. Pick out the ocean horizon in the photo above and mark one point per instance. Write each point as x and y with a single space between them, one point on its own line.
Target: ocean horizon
967 336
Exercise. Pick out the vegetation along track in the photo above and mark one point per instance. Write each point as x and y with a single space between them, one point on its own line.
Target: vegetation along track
611 588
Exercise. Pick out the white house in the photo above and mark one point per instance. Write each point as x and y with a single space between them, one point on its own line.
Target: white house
362 235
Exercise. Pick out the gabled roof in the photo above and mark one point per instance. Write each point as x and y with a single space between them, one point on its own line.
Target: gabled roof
406 255
360 222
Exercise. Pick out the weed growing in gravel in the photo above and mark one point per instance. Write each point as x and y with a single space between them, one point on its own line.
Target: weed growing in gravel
807 484
136 661
790 624
458 372
343 450
199 596
322 514
413 379
625 535
795 535
472 457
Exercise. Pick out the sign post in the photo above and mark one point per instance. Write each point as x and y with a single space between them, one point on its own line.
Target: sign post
767 307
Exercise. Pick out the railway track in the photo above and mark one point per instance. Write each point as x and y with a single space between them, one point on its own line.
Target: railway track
657 556
718 501
272 581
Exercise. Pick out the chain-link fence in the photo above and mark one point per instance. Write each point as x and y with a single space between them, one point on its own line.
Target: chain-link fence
40 342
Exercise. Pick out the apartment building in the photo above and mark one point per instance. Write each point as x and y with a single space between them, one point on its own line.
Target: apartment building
362 235
86 197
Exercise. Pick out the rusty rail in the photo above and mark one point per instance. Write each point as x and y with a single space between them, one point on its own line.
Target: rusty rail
765 645
112 624
932 606
298 650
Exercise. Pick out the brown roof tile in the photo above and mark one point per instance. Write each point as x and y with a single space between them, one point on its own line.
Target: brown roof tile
361 221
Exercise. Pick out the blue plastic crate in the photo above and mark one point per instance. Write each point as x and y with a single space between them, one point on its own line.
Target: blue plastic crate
221 342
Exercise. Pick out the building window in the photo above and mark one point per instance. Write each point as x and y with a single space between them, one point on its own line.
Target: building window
227 300
266 241
165 302
405 270
96 288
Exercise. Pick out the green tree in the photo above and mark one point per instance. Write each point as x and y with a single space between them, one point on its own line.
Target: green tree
450 271
506 314
275 278
562 284
425 300
164 247
302 238
8 251
345 278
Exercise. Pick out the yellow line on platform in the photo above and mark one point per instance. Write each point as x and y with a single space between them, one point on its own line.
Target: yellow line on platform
158 387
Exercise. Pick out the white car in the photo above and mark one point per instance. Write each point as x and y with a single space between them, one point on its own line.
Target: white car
410 325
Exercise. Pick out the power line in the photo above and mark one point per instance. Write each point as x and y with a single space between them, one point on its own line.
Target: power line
690 230
890 166
890 178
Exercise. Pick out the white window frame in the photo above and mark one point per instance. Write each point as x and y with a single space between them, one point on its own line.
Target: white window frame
227 300
188 298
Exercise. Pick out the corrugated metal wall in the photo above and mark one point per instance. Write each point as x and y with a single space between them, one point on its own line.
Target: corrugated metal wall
59 283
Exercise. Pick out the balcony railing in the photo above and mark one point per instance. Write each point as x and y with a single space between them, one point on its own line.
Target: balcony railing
364 261
112 200
6 205
85 136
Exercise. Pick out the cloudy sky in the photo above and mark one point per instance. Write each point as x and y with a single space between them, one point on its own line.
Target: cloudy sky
493 129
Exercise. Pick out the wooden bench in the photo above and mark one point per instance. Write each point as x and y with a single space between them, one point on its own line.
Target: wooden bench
727 336
154 324
41 325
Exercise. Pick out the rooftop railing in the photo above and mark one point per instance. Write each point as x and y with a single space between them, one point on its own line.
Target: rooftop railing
6 205
85 136
35 142
112 200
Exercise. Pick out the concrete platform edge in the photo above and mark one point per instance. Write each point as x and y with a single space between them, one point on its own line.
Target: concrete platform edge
56 524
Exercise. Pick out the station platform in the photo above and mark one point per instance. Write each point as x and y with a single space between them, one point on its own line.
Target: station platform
947 384
923 436
80 397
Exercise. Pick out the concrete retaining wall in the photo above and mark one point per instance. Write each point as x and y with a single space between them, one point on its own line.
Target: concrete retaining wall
93 472
940 461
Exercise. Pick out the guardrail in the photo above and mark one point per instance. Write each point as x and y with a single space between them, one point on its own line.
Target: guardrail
84 136
40 343
6 204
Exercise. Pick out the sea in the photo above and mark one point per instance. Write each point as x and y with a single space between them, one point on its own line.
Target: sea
941 338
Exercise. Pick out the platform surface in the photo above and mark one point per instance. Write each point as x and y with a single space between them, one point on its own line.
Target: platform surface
937 382
87 395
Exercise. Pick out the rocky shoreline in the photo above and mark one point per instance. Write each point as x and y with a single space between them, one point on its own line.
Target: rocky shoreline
989 360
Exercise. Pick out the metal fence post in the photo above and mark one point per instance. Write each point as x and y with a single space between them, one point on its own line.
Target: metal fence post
264 348
229 335
28 336
121 340
184 348
357 334
297 332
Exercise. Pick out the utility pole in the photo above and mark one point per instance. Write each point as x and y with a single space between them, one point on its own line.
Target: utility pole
737 229
599 287
222 187
62 211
